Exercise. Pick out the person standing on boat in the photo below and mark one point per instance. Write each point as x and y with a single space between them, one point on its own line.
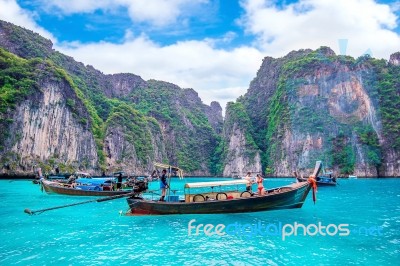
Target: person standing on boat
249 181
260 187
163 184
119 181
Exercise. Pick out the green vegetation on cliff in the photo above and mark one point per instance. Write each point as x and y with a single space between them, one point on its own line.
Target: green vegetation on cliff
310 94
237 118
306 106
388 85
191 140
237 122
135 128
17 80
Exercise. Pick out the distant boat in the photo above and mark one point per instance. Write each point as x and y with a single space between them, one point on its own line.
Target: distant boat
325 179
235 175
97 188
57 176
352 177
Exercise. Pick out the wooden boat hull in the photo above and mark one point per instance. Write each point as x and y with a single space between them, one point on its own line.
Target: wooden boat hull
58 188
291 196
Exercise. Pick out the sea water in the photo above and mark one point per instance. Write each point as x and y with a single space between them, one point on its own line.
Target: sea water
99 233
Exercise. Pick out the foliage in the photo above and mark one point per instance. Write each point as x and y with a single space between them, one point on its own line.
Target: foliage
25 42
217 160
343 154
236 115
388 84
190 139
263 115
97 124
135 127
371 146
17 81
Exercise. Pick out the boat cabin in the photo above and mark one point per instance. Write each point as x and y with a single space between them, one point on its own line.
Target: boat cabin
220 190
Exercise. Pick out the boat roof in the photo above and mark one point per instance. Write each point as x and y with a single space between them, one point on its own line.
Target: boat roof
82 173
216 183
167 166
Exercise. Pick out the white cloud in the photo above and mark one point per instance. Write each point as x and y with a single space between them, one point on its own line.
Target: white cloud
218 74
10 11
159 13
312 23
214 73
76 6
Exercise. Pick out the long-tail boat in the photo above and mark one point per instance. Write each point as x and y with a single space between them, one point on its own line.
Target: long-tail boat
325 179
221 201
106 189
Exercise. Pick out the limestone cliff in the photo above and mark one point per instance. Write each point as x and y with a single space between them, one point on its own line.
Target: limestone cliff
121 85
132 141
306 106
214 116
188 135
101 122
47 131
241 154
314 105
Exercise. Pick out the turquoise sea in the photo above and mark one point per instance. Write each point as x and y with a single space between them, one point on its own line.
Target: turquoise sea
97 233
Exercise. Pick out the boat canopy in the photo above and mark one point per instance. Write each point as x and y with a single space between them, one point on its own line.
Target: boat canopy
82 173
216 183
174 168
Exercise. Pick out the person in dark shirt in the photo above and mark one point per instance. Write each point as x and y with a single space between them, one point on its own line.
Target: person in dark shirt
163 184
119 181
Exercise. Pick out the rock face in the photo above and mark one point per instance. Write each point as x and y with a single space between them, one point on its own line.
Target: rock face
46 129
122 155
395 59
314 105
241 153
121 85
237 163
15 40
82 119
187 132
306 106
214 115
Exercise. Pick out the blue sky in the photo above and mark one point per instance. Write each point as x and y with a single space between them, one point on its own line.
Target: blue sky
212 46
211 19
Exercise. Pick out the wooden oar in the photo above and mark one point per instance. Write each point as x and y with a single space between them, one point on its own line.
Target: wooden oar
28 211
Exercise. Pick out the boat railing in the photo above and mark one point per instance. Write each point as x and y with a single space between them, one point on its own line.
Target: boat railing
222 190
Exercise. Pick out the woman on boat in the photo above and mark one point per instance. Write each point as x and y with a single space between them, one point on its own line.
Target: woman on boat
163 184
260 187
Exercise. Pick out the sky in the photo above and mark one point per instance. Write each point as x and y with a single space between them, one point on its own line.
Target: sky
212 46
